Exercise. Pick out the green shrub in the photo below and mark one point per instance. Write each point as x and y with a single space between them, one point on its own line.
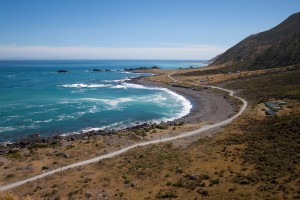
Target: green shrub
166 195
37 146
215 181
9 176
162 126
15 154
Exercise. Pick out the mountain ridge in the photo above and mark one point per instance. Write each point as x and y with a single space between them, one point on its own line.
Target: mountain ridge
276 47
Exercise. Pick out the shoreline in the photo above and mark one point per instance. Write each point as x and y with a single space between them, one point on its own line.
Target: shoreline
207 107
205 103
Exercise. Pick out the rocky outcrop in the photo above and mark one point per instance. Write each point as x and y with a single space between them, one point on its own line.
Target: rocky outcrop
140 68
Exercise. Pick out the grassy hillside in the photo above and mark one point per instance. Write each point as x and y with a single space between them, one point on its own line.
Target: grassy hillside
278 86
279 46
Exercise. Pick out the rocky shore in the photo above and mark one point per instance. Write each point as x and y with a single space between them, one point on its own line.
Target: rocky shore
58 139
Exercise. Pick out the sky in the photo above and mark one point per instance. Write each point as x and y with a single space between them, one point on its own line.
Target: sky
133 29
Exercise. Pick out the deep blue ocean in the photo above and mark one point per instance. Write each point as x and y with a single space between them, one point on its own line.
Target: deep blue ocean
34 98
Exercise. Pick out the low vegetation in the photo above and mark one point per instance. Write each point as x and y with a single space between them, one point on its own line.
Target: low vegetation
272 146
262 88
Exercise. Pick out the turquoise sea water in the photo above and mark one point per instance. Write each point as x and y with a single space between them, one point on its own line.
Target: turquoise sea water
34 98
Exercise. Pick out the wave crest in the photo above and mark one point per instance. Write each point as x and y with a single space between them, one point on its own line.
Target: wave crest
82 85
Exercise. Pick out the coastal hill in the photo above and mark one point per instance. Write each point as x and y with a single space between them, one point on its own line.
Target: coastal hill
277 47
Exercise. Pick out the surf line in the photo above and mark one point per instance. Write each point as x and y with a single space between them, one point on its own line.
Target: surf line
123 150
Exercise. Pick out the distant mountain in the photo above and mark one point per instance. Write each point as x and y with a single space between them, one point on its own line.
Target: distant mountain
277 47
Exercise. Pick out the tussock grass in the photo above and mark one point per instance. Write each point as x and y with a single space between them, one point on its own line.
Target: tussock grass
278 86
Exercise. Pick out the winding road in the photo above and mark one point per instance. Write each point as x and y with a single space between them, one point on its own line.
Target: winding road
123 150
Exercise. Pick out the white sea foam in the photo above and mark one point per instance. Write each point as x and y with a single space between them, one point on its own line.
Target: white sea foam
12 128
117 124
14 116
80 91
6 143
128 85
65 117
157 98
136 86
82 85
3 129
43 111
35 106
187 106
117 81
43 121
115 102
119 87
85 130
79 114
93 109
8 107
112 102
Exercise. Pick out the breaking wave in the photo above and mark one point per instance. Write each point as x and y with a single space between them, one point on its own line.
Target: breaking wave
82 85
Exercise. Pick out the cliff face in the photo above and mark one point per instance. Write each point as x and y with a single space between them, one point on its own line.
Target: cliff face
279 46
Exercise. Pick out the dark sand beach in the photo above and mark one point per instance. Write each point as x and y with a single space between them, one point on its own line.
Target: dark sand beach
208 106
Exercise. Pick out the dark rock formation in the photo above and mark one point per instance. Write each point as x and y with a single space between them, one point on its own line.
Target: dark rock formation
62 71
97 70
140 68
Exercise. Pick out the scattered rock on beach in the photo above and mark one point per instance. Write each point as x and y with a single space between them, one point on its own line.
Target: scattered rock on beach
4 149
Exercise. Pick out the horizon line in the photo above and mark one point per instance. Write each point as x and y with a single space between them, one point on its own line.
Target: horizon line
204 52
104 59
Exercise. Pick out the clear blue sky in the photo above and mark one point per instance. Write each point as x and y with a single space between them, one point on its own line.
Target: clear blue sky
180 29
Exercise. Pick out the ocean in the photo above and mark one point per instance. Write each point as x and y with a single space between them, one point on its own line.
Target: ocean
34 98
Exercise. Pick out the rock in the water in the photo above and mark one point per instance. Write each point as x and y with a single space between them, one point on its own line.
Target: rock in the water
154 67
97 70
61 71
